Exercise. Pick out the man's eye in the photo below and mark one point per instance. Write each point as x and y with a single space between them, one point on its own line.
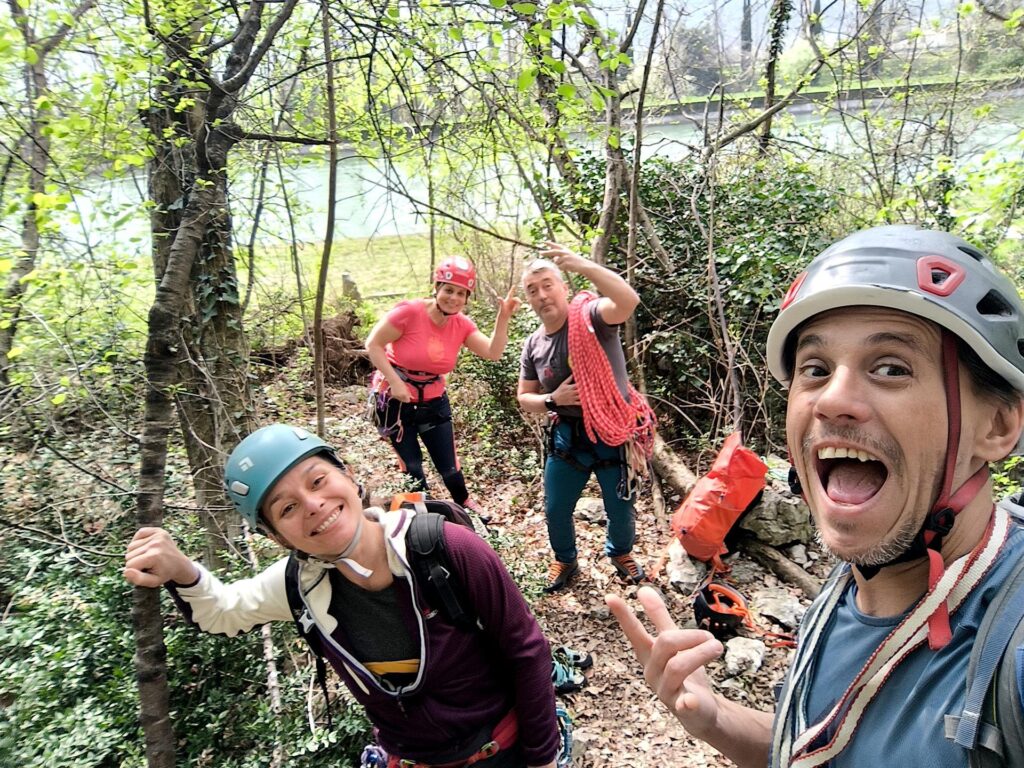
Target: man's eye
287 508
892 369
813 370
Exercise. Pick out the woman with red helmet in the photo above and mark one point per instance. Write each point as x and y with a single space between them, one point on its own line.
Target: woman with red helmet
413 347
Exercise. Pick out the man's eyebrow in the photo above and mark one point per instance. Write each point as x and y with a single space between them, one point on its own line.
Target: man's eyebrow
911 340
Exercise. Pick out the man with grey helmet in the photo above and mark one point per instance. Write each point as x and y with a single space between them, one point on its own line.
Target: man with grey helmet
901 350
437 693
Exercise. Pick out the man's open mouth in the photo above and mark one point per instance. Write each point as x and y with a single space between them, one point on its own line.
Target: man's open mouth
850 475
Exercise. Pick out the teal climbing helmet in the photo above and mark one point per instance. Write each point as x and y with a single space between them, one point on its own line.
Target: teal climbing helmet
261 459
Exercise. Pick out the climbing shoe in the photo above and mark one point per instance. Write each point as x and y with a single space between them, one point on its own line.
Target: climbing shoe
566 679
477 517
628 568
559 575
573 658
471 506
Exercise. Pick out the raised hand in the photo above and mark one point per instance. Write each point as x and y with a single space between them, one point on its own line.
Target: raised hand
508 306
563 257
673 661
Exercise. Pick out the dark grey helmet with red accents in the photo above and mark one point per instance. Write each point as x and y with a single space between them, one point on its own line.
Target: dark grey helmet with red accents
932 274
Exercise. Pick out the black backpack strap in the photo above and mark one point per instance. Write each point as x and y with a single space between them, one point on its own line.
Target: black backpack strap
1001 630
433 570
305 626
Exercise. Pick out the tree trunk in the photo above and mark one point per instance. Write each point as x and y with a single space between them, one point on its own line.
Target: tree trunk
162 362
780 13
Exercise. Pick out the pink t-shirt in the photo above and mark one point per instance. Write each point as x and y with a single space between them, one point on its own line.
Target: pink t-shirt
424 346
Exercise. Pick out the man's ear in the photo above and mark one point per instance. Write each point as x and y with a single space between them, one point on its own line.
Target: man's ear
1001 432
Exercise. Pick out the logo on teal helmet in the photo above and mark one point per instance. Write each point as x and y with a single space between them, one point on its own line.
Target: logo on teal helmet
261 459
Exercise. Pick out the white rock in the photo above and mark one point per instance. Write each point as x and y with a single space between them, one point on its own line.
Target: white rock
743 654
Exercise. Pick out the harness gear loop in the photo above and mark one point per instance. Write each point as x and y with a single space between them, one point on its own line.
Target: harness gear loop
607 415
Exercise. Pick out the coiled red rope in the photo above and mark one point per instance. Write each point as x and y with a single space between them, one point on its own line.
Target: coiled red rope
607 415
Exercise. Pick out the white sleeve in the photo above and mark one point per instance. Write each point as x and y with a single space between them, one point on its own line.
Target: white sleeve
228 609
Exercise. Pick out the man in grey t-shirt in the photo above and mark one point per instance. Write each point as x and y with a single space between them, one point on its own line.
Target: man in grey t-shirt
547 384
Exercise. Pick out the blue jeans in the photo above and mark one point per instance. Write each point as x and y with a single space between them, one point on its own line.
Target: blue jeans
406 424
564 481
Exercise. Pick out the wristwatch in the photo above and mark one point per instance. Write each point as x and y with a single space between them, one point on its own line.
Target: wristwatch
549 403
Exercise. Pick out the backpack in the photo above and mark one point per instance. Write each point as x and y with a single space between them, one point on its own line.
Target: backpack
991 725
732 486
431 569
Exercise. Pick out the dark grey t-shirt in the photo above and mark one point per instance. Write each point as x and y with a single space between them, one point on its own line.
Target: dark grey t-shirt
545 358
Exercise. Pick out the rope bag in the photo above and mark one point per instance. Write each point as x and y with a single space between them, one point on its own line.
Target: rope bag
607 415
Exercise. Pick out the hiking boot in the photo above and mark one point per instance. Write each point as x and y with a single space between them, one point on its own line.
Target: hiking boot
566 679
559 575
628 568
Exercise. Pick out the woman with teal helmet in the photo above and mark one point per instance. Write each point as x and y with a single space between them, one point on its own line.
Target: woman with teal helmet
436 693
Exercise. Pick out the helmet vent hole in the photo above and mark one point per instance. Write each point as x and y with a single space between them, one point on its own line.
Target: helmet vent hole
939 276
993 304
976 255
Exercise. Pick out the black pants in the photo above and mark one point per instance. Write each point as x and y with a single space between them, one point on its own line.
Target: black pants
406 424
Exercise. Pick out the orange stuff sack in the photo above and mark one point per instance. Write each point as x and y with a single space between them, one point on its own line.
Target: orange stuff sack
718 500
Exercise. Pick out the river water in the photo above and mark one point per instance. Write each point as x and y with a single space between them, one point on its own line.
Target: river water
110 215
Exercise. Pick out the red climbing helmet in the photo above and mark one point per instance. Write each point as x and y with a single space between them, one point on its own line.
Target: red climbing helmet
456 270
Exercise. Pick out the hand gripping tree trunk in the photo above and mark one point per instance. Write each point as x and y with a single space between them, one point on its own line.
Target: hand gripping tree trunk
195 348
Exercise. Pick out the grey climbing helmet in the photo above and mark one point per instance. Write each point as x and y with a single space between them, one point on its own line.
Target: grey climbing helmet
261 459
934 275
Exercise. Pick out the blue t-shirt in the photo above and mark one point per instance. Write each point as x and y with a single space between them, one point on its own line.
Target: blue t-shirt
904 724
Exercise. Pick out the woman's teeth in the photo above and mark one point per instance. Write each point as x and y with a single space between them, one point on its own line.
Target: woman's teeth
320 528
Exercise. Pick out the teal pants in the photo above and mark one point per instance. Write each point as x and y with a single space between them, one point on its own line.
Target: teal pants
564 481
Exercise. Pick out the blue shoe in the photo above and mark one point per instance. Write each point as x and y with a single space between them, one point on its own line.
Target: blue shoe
566 679
573 658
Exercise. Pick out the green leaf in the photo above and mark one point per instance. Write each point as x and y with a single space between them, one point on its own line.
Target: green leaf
567 90
497 38
527 9
31 56
597 100
59 398
498 3
15 352
455 33
526 79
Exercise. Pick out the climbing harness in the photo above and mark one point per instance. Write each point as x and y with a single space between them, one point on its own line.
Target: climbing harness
505 734
380 399
720 609
607 415
723 611
794 741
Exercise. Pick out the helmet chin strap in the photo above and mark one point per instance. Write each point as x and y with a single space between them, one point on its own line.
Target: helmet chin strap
437 305
344 556
939 521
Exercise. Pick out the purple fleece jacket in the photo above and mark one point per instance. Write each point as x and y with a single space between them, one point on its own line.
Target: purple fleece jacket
470 679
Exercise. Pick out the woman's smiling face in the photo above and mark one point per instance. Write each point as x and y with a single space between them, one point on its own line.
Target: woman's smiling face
314 508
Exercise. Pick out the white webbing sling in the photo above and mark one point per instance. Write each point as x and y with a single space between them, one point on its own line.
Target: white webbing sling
792 737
